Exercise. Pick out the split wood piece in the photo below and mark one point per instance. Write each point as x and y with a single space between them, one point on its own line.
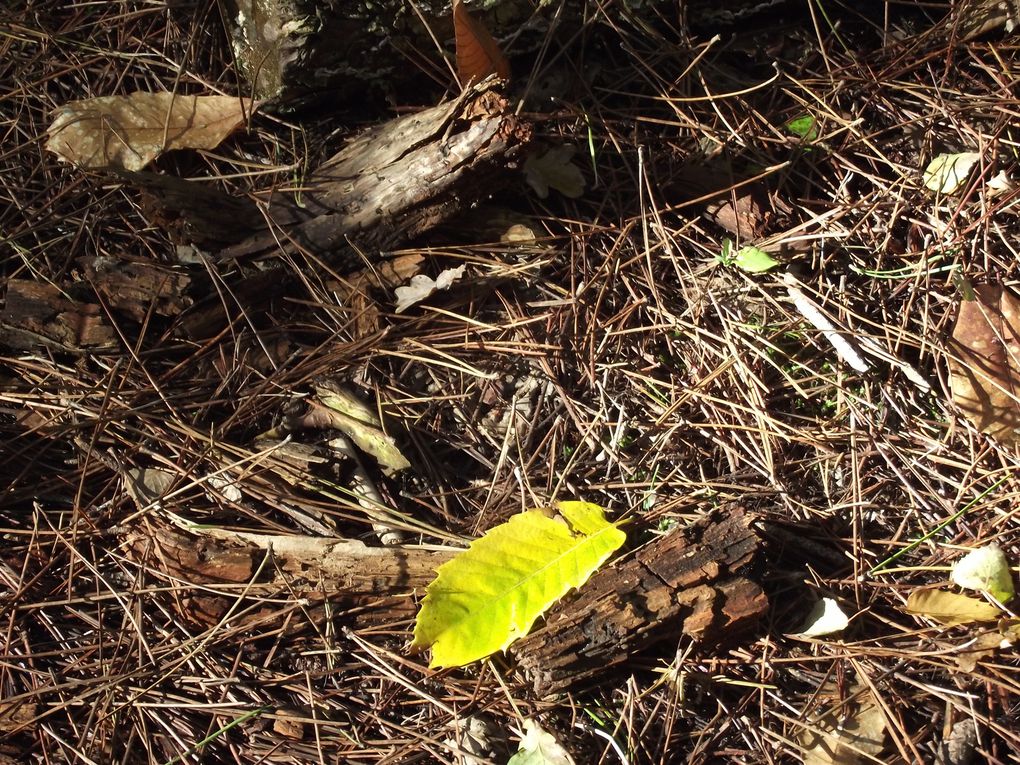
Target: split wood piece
398 180
311 568
688 582
137 289
38 314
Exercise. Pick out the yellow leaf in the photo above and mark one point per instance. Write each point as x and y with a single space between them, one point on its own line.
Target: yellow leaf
951 607
128 132
491 594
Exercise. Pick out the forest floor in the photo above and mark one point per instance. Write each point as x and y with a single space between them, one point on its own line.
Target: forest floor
607 351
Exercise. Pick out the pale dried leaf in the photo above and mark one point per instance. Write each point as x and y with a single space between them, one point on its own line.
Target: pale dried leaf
422 286
518 233
960 745
128 132
554 170
825 618
985 569
846 734
17 715
540 747
946 173
984 364
951 607
146 486
472 740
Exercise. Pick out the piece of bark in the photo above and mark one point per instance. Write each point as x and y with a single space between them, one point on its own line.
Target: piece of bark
137 289
395 181
311 569
37 313
688 582
301 563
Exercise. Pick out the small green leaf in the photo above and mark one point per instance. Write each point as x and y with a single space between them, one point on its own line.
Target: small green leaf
754 260
985 569
491 594
803 127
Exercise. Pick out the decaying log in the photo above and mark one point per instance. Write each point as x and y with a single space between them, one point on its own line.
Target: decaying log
398 180
688 582
302 564
388 185
36 313
301 568
136 289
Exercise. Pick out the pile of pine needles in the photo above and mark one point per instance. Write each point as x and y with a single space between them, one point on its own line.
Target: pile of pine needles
613 359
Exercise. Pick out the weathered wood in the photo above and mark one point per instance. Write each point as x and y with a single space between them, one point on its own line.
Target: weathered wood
137 289
300 563
36 313
398 180
689 582
304 569
388 185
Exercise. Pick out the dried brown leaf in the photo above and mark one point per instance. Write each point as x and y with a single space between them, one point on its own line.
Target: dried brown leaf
951 607
128 132
985 361
478 55
850 733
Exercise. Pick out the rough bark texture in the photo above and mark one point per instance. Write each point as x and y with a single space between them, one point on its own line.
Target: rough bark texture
387 186
398 180
37 314
688 582
298 568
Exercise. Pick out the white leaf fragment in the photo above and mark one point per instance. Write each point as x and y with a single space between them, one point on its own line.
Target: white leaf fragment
843 347
825 618
539 747
421 286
